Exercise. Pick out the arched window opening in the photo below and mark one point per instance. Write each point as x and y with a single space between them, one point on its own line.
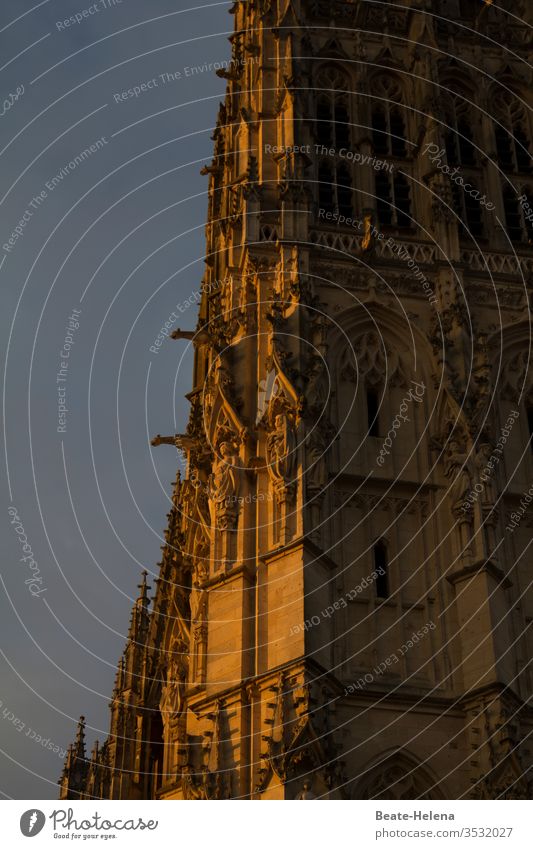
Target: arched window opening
372 412
388 122
459 136
513 147
381 567
332 116
333 131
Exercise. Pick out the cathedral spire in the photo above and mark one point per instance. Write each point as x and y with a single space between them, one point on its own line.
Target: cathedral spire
140 615
79 745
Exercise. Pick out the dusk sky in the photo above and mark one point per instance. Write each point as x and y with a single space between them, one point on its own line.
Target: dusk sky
112 243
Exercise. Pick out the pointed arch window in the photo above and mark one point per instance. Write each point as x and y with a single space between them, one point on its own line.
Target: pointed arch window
388 117
458 131
389 138
333 131
332 112
513 143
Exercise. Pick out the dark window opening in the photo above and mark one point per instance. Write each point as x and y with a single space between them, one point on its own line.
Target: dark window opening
393 200
402 197
513 215
467 153
397 137
474 216
323 130
457 203
344 191
372 410
379 132
342 126
523 158
381 568
451 149
530 425
504 149
325 187
388 133
384 200
469 213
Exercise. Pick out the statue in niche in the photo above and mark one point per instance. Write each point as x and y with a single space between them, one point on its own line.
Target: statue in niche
281 447
306 792
223 484
457 467
173 704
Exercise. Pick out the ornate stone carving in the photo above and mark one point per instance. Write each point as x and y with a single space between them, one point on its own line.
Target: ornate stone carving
281 449
397 779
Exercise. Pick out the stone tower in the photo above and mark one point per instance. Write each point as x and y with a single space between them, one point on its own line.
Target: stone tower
343 606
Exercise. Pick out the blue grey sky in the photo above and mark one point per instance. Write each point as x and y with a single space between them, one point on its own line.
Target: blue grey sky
117 235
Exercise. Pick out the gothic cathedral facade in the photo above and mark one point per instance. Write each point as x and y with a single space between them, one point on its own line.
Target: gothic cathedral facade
343 607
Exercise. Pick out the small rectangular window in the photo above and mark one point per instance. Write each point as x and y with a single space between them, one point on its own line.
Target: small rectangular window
372 409
381 567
